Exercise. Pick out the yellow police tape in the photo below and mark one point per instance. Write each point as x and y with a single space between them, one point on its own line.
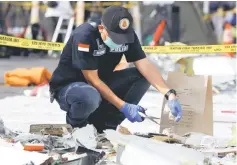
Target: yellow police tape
88 6
192 49
172 49
30 44
219 12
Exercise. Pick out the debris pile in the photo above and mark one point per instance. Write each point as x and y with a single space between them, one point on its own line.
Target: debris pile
69 146
56 146
215 151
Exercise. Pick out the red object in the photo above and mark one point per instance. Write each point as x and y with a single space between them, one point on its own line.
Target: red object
34 147
228 38
228 111
158 33
36 89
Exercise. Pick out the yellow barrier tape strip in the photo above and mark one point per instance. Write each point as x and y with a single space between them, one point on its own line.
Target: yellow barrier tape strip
106 4
31 44
173 49
194 49
88 6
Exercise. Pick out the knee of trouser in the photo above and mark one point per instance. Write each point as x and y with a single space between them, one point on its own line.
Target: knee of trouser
92 102
86 103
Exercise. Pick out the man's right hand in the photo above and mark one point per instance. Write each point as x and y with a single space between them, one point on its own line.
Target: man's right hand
131 112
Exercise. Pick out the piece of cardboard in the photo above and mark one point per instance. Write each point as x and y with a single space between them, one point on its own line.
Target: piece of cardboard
195 96
51 129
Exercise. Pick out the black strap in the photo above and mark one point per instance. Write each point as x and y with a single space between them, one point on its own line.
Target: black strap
169 92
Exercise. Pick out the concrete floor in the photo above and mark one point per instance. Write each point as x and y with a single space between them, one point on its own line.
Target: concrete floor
14 114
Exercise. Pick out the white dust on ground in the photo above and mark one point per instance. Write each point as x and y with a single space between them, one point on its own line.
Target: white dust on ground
21 111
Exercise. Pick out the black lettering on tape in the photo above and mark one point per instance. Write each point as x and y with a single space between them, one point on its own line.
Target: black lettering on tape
233 47
217 49
16 40
6 38
34 43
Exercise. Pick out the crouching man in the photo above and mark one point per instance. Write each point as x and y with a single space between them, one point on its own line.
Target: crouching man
85 84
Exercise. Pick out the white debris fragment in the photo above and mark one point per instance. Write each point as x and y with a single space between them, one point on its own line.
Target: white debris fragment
152 151
38 91
85 137
10 155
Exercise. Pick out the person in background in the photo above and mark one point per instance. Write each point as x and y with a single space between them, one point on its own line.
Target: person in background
53 12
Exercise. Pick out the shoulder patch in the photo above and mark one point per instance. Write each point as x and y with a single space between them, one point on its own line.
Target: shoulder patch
83 47
101 49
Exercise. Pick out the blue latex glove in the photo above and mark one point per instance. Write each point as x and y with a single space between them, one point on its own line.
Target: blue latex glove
131 112
175 109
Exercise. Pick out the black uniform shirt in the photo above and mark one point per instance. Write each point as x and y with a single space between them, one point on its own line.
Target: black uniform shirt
85 50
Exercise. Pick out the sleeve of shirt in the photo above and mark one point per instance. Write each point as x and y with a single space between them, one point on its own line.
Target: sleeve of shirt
82 53
135 51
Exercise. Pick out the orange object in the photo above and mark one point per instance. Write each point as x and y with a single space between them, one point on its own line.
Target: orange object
158 33
33 147
25 77
228 38
228 111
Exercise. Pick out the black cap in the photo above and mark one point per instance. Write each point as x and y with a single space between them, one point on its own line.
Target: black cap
119 24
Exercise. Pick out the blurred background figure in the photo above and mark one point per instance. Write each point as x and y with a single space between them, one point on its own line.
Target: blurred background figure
55 10
222 13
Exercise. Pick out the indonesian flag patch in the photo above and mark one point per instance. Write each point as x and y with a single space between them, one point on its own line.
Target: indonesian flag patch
83 47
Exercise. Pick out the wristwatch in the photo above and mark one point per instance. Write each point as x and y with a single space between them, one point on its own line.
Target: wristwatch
169 92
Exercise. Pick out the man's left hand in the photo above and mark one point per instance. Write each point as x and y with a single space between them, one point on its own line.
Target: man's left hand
175 108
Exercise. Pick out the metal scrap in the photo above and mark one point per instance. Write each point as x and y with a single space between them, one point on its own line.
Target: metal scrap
5 132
